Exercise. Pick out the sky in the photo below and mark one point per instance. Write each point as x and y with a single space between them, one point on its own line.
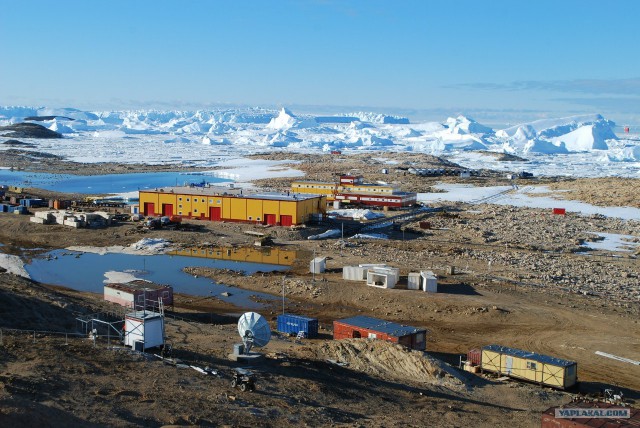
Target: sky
495 60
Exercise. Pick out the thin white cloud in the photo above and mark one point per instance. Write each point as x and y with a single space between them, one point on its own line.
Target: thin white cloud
625 87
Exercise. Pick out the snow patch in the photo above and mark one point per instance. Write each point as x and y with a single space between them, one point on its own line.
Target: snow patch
13 264
115 277
356 214
145 246
370 236
325 235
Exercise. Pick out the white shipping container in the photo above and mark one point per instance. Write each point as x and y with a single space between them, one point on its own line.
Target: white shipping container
318 265
382 279
354 273
429 281
413 281
387 270
43 215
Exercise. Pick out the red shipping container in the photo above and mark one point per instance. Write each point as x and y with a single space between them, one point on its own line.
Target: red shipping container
366 327
559 211
474 356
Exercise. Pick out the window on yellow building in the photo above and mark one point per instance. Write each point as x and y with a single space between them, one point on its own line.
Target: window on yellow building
180 198
187 199
195 211
210 201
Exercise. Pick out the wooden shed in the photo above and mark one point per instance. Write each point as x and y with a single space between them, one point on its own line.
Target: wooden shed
374 328
530 366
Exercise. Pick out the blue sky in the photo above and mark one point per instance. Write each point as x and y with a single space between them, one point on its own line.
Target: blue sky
490 59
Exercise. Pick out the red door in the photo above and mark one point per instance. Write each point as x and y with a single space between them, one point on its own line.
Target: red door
167 210
286 220
270 219
149 208
215 213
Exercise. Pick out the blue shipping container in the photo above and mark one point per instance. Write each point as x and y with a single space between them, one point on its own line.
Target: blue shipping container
18 209
293 324
31 203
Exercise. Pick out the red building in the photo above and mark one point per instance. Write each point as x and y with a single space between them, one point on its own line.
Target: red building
374 328
351 189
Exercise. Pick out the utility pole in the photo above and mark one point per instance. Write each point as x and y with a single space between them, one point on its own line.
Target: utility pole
313 266
283 278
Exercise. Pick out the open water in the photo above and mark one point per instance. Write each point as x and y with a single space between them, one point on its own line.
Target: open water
101 184
85 272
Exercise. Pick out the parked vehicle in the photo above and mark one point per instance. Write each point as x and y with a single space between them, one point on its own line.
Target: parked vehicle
244 379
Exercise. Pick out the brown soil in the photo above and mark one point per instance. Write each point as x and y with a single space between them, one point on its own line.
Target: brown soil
604 192
55 380
520 283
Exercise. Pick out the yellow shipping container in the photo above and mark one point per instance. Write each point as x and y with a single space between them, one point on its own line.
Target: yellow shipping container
530 366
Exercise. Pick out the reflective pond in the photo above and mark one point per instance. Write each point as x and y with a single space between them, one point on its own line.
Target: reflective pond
261 255
86 272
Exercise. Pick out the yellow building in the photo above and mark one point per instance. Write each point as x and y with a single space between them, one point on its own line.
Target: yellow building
224 204
542 369
347 184
273 256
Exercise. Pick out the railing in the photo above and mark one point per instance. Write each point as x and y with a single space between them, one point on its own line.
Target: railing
37 334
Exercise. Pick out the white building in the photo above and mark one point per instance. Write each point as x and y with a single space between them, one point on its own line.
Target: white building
143 330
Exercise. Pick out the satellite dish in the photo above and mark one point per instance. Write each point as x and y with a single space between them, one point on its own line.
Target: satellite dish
254 330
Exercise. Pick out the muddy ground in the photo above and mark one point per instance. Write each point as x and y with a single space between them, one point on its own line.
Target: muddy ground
521 281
